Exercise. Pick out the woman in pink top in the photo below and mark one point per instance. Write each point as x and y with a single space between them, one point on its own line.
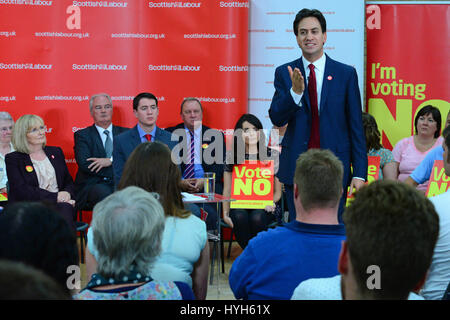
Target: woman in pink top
409 152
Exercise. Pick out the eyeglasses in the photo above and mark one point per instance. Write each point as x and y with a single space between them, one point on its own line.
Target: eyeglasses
36 129
106 107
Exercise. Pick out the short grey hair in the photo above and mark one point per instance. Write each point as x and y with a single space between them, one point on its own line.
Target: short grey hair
5 116
91 100
128 226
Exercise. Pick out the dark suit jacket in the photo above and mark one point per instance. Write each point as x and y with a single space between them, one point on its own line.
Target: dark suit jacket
206 140
341 128
23 181
88 144
125 143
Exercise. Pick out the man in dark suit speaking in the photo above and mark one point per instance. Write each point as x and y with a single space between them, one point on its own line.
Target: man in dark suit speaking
319 99
93 153
145 109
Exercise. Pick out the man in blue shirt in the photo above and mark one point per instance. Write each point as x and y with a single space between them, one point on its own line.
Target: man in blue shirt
276 261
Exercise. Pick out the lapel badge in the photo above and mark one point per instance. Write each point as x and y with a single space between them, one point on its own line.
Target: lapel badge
52 156
205 145
29 168
330 78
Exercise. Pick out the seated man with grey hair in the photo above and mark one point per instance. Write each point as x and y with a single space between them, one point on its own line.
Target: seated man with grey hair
6 127
128 228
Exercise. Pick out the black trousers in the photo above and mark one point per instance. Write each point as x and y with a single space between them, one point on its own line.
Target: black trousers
248 223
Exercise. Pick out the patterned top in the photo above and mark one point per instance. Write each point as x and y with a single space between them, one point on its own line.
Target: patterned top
46 175
385 158
153 290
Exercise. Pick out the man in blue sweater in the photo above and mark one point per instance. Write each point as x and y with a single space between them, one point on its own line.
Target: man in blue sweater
276 261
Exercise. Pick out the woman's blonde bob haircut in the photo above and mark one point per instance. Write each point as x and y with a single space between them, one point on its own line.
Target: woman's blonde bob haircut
22 127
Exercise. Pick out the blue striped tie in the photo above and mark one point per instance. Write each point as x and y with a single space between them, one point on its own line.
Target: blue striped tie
189 172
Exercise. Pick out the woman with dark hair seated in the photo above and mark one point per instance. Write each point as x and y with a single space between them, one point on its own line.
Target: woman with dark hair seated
388 168
410 151
247 223
128 228
37 172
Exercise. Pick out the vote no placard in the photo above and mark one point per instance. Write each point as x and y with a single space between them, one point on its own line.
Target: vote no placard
439 182
373 170
252 185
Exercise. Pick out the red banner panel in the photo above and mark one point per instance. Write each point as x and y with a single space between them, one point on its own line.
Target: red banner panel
55 54
407 65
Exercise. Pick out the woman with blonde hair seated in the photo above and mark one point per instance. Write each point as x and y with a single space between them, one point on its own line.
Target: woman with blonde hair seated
37 172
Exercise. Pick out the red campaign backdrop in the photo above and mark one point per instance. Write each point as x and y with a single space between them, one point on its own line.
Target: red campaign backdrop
407 65
54 55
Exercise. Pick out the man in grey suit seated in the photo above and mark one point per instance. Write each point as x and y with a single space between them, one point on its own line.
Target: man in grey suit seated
145 108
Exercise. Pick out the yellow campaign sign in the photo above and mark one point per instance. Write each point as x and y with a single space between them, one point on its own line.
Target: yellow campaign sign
439 182
252 185
373 173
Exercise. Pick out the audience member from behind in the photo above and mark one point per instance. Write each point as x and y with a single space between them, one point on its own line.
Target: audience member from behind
93 153
248 144
276 261
128 227
410 151
37 172
391 233
36 235
6 128
185 250
21 282
399 227
388 168
439 274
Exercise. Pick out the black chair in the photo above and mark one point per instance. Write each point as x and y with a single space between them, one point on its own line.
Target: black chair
82 231
81 228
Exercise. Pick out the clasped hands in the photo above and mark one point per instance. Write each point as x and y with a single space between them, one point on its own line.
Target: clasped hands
192 185
64 196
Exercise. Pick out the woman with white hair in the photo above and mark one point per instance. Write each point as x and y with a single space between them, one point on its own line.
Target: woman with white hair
6 127
128 228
